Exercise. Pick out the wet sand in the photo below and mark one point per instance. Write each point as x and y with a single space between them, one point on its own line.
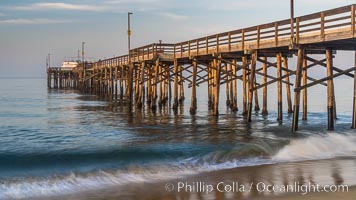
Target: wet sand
248 181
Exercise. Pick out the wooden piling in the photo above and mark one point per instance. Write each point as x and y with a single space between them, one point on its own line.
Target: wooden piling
353 126
166 85
244 85
297 92
217 66
279 86
210 85
289 98
154 98
181 85
329 65
264 81
227 83
149 86
137 82
251 84
160 80
234 88
130 87
193 105
142 77
116 79
305 90
257 105
122 77
175 100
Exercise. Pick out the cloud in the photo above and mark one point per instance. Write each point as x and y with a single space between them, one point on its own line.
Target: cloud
61 6
109 5
22 21
173 16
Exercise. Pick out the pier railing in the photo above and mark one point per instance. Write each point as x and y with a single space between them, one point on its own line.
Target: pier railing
275 34
323 26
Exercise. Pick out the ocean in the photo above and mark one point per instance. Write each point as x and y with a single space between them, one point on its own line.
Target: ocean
63 144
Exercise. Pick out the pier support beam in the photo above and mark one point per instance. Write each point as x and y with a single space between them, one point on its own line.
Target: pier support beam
149 86
217 66
234 87
141 83
122 83
175 100
181 85
193 105
130 87
210 86
305 90
354 99
244 85
289 99
160 80
227 84
251 84
279 86
116 78
154 98
264 81
329 66
257 105
297 92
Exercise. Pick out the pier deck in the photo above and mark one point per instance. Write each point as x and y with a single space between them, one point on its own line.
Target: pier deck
148 73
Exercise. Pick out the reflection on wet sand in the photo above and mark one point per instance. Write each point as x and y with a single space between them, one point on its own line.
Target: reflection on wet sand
292 175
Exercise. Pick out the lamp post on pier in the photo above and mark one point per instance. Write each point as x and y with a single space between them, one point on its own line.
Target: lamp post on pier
49 61
129 33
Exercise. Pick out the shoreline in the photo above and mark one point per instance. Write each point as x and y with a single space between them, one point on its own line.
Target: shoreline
337 171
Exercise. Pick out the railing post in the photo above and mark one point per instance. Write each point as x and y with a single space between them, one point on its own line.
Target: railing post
174 51
188 48
181 50
243 39
276 34
197 47
217 43
229 41
206 45
258 37
297 30
353 20
322 26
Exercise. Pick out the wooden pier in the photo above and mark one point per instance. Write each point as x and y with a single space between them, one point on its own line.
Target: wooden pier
156 73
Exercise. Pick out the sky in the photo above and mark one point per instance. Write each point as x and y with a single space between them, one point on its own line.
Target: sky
30 29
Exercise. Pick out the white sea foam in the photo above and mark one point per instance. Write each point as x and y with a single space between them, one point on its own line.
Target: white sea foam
318 147
53 186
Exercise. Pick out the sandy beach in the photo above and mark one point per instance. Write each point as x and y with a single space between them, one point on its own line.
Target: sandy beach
245 182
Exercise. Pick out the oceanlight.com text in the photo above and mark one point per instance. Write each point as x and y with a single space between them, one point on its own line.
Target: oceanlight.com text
261 187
